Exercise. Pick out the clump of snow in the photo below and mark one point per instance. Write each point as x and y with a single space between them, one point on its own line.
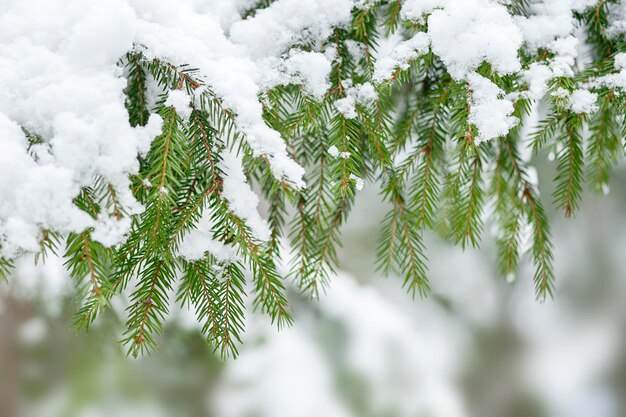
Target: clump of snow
552 26
333 151
356 50
309 69
489 111
346 107
560 93
459 31
537 76
416 9
287 22
400 56
358 182
619 61
180 101
583 101
60 80
355 94
616 80
241 199
110 230
549 20
32 195
200 240
566 51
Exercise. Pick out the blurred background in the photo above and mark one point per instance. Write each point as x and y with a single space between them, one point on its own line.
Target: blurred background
478 346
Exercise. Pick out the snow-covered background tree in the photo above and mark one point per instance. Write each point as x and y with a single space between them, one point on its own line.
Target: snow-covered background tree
141 140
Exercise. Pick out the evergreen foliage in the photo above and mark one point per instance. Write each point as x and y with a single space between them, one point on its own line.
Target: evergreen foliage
415 141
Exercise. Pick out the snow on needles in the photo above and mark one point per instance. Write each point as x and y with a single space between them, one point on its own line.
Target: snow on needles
466 33
61 81
241 199
490 113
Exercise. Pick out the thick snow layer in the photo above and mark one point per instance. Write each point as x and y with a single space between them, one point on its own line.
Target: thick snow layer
311 69
466 33
60 80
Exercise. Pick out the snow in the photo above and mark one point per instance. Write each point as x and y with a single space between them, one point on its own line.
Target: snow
617 19
180 101
465 34
286 22
400 56
197 39
61 79
459 30
619 61
109 230
552 26
583 101
358 182
489 112
537 76
560 93
415 9
241 199
616 80
32 194
362 94
346 107
309 69
333 151
201 240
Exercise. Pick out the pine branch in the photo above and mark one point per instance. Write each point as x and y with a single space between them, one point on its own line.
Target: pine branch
412 136
542 245
570 167
400 247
